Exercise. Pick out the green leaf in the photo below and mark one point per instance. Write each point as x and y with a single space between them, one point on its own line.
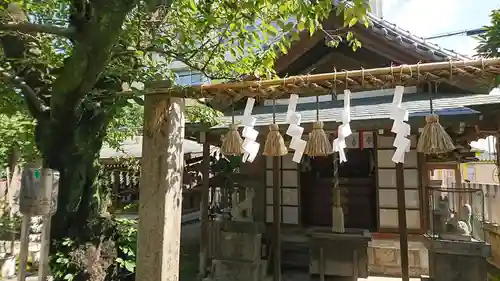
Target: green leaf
353 21
301 26
130 266
192 5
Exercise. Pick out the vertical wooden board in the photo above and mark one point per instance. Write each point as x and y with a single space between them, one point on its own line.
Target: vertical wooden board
290 215
290 196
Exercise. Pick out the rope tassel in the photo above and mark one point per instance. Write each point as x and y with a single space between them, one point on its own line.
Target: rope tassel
232 142
434 138
318 143
275 144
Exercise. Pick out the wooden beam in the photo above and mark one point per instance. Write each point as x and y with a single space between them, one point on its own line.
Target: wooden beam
297 50
277 219
403 229
304 44
204 206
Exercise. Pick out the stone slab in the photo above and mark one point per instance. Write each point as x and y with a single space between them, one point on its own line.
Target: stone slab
458 260
462 248
338 254
239 246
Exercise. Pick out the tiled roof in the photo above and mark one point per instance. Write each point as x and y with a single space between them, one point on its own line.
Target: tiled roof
403 37
415 43
133 148
372 108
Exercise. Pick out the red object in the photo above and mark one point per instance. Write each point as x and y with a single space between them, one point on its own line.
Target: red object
361 140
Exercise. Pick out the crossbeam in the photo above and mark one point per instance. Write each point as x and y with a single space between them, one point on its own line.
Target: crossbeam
481 71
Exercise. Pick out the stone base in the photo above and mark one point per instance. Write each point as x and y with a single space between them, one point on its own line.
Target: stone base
458 260
384 257
225 270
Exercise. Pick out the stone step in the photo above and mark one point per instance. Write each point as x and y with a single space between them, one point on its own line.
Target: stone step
295 255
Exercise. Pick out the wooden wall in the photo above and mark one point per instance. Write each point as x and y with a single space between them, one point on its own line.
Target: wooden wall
290 192
386 185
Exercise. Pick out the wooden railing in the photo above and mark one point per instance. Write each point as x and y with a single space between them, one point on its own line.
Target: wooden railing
491 199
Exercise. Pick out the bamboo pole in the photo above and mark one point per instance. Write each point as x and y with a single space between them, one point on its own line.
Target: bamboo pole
405 69
412 69
278 87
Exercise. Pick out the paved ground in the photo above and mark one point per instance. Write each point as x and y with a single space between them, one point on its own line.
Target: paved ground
303 276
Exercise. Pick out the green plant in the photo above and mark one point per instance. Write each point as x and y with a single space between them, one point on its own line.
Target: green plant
116 255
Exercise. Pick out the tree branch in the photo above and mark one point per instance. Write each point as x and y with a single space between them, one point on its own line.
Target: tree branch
38 28
29 94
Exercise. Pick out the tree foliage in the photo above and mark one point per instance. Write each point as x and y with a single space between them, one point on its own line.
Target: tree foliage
489 42
69 60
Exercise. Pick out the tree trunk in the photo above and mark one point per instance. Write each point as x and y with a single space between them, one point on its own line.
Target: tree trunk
72 147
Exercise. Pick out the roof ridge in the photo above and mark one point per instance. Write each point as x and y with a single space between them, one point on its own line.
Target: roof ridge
449 53
439 53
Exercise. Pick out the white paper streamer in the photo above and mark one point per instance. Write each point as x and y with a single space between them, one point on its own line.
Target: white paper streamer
399 127
300 146
398 95
250 133
344 130
249 107
250 146
295 130
292 105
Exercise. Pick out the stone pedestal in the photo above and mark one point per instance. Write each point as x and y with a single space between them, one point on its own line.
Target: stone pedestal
238 256
458 260
339 254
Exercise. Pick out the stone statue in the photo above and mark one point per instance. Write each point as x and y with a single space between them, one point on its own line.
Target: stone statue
458 228
242 211
442 213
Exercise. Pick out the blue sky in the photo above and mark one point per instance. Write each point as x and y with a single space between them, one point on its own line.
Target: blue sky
430 17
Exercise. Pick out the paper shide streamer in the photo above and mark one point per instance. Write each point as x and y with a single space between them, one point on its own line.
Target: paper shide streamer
295 130
400 127
344 130
249 146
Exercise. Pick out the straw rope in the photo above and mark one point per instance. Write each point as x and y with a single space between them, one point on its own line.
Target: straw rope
481 72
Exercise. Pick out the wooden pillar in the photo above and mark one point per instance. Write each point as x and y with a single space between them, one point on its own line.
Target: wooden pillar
277 219
160 200
497 154
403 230
458 184
204 205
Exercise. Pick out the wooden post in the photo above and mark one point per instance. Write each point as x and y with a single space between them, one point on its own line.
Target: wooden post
160 189
24 251
403 230
277 218
43 269
337 212
204 206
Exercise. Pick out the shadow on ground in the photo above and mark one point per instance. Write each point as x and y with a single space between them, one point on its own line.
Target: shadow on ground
190 248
